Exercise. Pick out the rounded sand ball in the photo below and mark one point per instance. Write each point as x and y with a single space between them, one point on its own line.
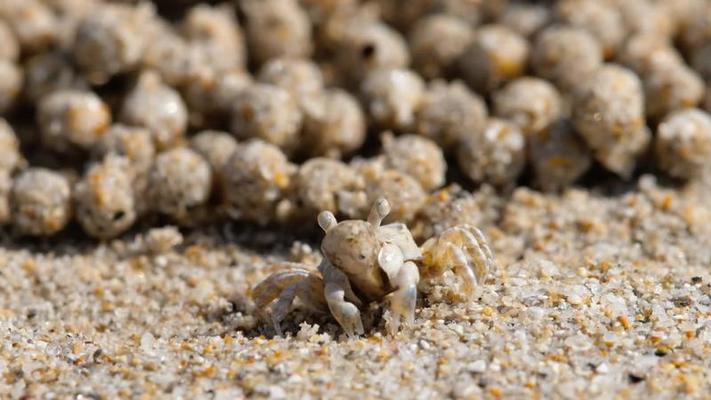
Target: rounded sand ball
71 8
490 9
683 143
671 87
392 97
10 49
402 14
267 112
157 107
41 202
180 180
646 16
48 72
71 118
174 58
11 77
5 188
646 51
215 146
565 55
32 22
447 208
368 46
701 61
256 177
608 112
558 155
69 14
496 55
210 95
334 124
436 42
299 77
134 143
276 28
602 19
682 11
217 35
162 240
323 184
404 193
497 155
417 156
104 199
10 156
526 19
695 25
530 103
450 111
198 92
474 12
110 40
334 21
228 88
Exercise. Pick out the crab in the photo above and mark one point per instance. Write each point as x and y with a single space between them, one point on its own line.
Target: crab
366 261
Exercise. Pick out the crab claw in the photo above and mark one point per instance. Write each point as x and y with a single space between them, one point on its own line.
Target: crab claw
464 250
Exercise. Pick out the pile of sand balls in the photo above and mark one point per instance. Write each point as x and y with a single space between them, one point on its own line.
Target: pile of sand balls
269 111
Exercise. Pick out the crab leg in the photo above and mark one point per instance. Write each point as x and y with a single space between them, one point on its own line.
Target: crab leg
462 268
310 291
403 300
341 300
479 246
464 250
285 286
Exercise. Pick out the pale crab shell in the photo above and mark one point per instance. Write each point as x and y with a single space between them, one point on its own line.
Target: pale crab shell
364 251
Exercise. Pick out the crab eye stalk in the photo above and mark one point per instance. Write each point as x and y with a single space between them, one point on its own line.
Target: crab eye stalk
326 220
380 210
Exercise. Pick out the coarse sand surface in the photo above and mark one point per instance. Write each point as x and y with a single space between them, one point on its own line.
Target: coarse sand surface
599 294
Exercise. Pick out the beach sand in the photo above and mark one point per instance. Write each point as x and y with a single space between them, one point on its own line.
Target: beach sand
599 294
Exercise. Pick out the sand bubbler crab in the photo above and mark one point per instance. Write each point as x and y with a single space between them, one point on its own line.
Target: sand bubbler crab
365 261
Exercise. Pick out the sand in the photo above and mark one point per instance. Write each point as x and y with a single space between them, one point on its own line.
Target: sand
599 294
